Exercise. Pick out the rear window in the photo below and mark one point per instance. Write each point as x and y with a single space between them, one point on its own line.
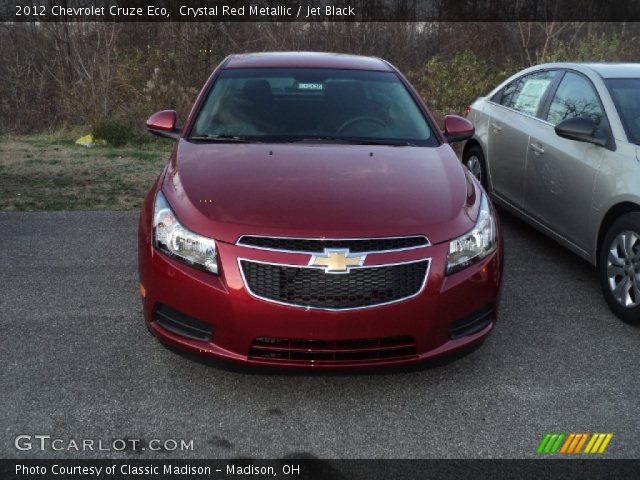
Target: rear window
274 103
525 94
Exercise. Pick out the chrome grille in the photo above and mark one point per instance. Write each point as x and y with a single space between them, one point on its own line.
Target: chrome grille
308 245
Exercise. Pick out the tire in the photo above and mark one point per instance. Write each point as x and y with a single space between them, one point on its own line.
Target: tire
474 160
619 267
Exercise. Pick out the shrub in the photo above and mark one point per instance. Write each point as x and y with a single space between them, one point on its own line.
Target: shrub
597 48
113 132
450 85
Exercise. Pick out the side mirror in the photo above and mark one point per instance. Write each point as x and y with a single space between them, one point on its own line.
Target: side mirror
581 129
163 124
457 129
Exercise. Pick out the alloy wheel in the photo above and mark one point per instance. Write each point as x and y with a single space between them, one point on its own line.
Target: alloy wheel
475 167
623 269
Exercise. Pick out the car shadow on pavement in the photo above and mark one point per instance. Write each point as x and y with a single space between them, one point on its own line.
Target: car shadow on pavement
521 234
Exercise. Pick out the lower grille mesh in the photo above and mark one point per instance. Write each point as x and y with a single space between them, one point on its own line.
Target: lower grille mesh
312 287
292 350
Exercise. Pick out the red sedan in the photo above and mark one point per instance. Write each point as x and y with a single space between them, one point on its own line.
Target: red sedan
313 215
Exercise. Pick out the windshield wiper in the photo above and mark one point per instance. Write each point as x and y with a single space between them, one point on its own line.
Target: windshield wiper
302 139
224 138
382 141
350 140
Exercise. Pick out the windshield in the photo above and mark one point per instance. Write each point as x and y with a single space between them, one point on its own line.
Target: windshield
626 96
300 104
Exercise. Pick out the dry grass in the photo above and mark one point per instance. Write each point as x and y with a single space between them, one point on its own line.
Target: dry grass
52 173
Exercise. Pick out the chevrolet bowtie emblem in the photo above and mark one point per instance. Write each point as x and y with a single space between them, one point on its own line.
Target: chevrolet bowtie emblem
337 260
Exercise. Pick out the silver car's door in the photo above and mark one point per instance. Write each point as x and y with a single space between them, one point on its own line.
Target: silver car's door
510 114
561 173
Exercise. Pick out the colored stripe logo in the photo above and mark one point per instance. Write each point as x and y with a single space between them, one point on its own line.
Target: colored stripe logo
573 443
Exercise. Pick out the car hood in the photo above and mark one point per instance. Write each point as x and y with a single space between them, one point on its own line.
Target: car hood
225 190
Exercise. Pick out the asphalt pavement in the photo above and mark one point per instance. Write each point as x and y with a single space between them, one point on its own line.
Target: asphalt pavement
78 363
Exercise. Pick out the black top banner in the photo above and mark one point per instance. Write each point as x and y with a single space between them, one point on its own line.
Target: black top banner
319 10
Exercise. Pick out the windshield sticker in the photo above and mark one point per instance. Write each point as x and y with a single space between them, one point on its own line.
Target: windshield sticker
310 86
531 94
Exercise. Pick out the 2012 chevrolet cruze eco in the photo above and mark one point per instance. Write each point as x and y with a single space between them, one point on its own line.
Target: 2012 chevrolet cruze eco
313 215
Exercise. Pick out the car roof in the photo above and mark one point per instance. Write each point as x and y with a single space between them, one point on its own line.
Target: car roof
605 70
306 60
616 70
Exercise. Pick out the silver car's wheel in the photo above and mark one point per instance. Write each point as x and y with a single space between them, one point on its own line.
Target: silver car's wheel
623 269
475 167
473 159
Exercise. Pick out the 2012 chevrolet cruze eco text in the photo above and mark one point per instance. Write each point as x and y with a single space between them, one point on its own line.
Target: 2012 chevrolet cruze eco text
313 215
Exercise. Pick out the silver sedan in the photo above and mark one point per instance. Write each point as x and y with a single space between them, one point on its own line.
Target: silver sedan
558 145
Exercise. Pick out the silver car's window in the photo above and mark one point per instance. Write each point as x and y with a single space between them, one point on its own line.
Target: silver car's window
575 97
525 94
506 95
626 95
531 91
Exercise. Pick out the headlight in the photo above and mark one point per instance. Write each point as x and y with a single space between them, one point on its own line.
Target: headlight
473 246
176 241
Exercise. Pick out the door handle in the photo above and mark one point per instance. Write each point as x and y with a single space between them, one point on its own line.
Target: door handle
496 126
537 149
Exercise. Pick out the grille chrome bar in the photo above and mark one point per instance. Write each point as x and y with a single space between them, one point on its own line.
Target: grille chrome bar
286 280
318 245
332 351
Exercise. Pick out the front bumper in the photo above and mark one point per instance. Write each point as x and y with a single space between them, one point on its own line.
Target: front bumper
428 325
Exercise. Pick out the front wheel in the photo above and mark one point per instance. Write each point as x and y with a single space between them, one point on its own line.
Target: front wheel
619 267
473 159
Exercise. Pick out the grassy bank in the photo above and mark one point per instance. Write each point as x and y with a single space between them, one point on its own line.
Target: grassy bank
51 172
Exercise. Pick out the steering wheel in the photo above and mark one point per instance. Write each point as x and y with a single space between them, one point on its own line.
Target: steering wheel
363 118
